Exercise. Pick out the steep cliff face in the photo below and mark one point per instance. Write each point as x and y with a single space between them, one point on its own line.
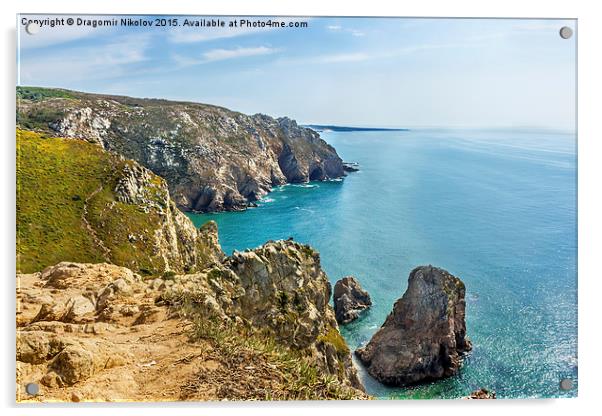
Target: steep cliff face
424 337
77 202
213 159
257 326
281 290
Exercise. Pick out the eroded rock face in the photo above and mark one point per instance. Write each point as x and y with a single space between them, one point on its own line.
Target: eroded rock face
287 291
213 159
350 299
280 288
176 243
424 337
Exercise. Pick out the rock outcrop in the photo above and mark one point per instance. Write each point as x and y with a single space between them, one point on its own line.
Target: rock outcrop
213 159
281 288
424 337
350 299
257 325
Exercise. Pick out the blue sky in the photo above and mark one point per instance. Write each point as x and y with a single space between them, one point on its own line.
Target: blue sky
348 71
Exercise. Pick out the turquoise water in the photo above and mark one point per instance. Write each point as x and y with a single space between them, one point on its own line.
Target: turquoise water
497 208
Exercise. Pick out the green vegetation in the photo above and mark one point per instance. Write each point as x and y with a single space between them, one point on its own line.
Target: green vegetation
67 209
282 300
169 275
40 119
54 176
334 337
40 93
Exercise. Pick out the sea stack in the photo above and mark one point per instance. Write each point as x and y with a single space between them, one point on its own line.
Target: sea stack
350 299
424 337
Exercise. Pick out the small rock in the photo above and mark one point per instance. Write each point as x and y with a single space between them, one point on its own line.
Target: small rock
157 284
129 310
350 299
35 347
52 379
78 307
50 311
482 393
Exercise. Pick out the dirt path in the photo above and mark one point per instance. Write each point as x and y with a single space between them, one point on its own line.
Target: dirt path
105 250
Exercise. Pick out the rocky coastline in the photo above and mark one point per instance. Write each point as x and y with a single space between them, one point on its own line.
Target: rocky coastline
121 290
157 299
212 158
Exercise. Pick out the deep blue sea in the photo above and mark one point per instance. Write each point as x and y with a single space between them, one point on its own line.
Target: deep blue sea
495 207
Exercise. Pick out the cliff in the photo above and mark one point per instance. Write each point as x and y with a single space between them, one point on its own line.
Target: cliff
257 326
213 159
77 202
424 337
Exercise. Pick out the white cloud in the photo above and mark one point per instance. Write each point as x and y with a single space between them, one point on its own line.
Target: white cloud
339 28
202 35
101 62
342 57
367 56
214 55
221 54
542 25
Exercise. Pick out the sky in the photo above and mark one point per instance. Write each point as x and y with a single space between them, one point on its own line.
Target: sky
387 72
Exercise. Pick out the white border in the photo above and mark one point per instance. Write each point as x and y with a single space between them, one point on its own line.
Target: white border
590 207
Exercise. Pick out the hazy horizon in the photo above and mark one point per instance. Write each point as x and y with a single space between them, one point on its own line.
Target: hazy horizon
361 72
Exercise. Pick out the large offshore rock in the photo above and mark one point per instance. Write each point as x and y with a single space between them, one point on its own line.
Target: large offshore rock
350 299
424 337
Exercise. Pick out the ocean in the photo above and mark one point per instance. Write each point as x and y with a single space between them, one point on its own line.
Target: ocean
496 208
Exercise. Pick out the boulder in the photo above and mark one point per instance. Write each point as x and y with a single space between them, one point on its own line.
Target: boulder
65 275
74 364
424 337
349 299
286 293
36 347
80 360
